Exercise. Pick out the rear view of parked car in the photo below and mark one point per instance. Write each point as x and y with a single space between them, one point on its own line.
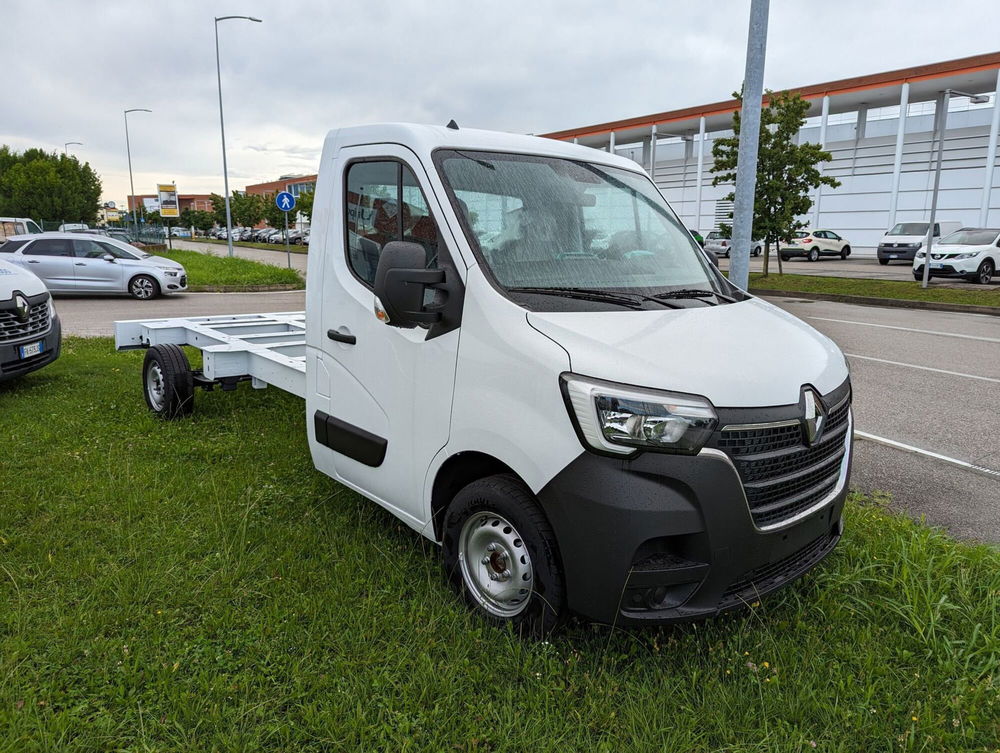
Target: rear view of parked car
74 263
718 245
971 254
814 243
29 327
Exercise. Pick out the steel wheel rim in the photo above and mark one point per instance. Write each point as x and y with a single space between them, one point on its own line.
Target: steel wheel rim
155 389
495 564
142 288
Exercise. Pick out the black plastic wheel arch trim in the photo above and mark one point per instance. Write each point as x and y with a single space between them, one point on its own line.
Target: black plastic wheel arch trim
349 440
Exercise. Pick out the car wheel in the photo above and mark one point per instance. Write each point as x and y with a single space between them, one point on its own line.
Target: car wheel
813 254
845 252
167 382
756 251
726 254
918 274
785 258
501 555
143 287
985 272
883 262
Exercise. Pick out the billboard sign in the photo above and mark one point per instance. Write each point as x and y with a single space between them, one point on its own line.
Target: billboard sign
168 200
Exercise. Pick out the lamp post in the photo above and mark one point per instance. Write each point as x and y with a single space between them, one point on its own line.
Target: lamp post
946 96
222 127
68 144
128 151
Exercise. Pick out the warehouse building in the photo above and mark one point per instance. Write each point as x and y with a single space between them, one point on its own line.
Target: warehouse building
882 131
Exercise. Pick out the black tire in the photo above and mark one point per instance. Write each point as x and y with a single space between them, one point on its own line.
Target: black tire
785 258
727 253
883 262
845 252
756 251
542 606
813 254
985 272
143 287
167 382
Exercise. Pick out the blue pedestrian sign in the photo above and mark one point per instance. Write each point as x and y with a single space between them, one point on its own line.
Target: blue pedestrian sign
285 201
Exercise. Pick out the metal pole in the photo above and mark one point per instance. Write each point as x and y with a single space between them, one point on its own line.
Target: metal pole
128 151
701 162
746 165
288 251
945 98
991 157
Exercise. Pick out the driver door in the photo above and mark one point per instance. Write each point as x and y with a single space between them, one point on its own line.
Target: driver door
93 271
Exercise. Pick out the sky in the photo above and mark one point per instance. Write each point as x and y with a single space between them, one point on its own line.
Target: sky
71 67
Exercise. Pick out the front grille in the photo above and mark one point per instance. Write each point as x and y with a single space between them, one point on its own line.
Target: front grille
12 328
782 475
23 364
184 281
764 578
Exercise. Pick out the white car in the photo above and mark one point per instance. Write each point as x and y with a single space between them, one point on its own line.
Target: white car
814 243
971 253
75 263
30 332
718 246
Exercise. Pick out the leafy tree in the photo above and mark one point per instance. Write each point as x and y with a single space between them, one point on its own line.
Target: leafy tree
274 216
304 204
218 209
45 185
202 220
247 209
787 173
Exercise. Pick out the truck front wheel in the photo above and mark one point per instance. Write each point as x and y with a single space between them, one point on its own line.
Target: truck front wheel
167 382
501 555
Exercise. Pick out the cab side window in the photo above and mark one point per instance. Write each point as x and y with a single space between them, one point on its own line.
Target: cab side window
384 203
50 247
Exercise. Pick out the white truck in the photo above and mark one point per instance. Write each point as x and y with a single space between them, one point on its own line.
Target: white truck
515 346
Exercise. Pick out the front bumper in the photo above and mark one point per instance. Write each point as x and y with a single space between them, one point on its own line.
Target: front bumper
965 268
893 253
11 363
174 284
664 538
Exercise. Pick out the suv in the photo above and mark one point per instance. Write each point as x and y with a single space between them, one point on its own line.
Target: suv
971 253
814 243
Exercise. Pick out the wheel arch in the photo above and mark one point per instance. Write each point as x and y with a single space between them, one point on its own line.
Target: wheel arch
458 471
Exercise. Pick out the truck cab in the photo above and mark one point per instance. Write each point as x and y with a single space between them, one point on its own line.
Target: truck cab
514 345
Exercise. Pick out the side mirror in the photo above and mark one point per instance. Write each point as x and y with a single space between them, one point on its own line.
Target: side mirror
108 257
400 281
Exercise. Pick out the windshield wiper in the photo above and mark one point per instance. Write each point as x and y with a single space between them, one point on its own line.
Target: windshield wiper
583 294
696 293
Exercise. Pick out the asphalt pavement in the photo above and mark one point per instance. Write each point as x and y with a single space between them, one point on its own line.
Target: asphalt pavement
276 257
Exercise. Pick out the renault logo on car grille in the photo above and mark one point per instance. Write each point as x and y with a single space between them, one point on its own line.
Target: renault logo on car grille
813 415
21 308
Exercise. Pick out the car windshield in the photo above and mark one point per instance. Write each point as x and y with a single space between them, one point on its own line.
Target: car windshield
982 237
908 228
543 222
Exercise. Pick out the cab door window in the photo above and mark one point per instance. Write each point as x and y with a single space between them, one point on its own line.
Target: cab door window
384 203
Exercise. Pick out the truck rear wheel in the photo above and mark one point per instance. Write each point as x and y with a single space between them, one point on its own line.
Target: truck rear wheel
167 383
501 555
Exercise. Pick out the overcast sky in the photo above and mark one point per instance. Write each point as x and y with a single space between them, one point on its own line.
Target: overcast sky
71 67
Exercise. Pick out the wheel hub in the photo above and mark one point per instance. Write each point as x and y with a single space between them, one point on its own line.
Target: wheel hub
495 564
154 386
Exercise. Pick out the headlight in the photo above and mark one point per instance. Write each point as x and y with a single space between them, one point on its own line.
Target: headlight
52 306
921 254
617 419
172 272
966 255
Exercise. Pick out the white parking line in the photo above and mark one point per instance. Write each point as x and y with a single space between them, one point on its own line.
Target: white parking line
909 329
923 368
927 453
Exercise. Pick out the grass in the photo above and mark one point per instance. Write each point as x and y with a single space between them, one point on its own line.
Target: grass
197 586
901 290
206 271
295 249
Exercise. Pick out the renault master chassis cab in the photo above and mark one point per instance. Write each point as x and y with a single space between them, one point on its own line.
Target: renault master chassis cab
514 345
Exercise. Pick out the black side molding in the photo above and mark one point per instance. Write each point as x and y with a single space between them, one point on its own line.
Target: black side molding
349 440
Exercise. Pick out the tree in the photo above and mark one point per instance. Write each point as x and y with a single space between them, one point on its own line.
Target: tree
44 185
247 208
218 209
787 173
274 216
305 205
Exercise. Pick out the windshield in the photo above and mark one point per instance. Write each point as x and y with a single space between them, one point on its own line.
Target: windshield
909 228
983 237
543 222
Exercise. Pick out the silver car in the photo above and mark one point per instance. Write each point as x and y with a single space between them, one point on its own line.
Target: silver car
716 244
75 263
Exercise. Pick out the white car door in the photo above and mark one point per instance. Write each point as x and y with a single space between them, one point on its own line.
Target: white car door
51 259
94 273
384 394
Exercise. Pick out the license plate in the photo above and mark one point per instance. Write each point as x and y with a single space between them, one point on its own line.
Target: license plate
893 256
31 349
936 266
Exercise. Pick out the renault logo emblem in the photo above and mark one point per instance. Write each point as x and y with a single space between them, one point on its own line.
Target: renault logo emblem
21 308
813 415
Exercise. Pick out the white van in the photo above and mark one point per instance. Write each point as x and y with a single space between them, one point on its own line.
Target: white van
902 241
30 331
16 226
515 346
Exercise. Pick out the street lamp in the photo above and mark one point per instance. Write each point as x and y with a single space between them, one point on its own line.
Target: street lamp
976 99
68 144
128 151
222 127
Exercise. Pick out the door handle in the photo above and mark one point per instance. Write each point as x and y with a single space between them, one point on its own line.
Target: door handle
341 337
79 264
33 261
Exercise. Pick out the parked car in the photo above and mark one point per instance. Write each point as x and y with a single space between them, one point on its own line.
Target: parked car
902 241
970 253
16 226
814 243
716 244
30 331
71 226
180 232
75 263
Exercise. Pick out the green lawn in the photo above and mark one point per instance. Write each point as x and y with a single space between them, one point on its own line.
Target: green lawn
196 585
295 249
902 290
205 271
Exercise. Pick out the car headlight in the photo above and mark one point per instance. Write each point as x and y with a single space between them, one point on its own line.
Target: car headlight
966 255
921 254
618 419
52 306
172 272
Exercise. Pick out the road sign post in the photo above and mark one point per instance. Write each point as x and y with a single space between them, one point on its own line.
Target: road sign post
286 203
